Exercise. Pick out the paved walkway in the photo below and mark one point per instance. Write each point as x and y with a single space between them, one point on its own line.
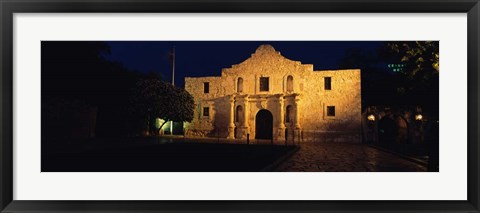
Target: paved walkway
331 157
318 156
345 157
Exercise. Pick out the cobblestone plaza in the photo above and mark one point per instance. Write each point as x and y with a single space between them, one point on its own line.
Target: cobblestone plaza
345 157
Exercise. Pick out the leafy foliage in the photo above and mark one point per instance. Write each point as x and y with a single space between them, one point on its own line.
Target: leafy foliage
416 84
158 99
77 71
421 57
420 79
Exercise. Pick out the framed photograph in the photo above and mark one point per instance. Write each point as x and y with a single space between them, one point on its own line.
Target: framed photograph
239 106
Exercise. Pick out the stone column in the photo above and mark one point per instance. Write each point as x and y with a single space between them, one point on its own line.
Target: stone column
281 123
245 118
297 113
231 125
297 120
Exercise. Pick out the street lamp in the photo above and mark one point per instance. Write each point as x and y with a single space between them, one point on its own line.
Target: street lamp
371 129
371 117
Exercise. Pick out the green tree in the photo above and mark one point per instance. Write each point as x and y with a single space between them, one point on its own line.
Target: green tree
421 58
415 84
158 99
420 76
79 72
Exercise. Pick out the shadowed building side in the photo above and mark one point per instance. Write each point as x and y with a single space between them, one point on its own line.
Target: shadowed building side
304 105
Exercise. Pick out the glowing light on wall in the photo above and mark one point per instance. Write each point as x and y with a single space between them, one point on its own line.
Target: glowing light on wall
371 117
418 117
159 122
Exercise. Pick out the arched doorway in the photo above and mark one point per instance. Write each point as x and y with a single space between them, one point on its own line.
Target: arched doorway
263 124
387 130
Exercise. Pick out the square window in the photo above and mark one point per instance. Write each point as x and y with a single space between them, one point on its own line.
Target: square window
206 111
328 83
206 87
263 83
330 110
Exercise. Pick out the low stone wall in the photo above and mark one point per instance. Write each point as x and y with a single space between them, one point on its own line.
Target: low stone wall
303 136
335 137
197 133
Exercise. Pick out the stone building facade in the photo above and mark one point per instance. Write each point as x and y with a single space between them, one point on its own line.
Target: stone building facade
271 97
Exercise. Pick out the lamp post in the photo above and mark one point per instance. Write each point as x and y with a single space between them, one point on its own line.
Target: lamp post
371 127
419 126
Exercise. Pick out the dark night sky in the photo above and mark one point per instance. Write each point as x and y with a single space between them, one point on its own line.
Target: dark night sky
207 58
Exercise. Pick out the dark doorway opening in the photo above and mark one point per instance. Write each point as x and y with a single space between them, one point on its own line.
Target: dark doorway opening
263 125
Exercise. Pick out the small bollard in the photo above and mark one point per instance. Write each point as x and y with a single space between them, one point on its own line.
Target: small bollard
248 138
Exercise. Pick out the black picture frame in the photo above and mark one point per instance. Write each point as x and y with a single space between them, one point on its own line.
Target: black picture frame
9 7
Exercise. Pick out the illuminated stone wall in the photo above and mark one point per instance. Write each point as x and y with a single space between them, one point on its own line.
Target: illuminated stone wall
307 99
